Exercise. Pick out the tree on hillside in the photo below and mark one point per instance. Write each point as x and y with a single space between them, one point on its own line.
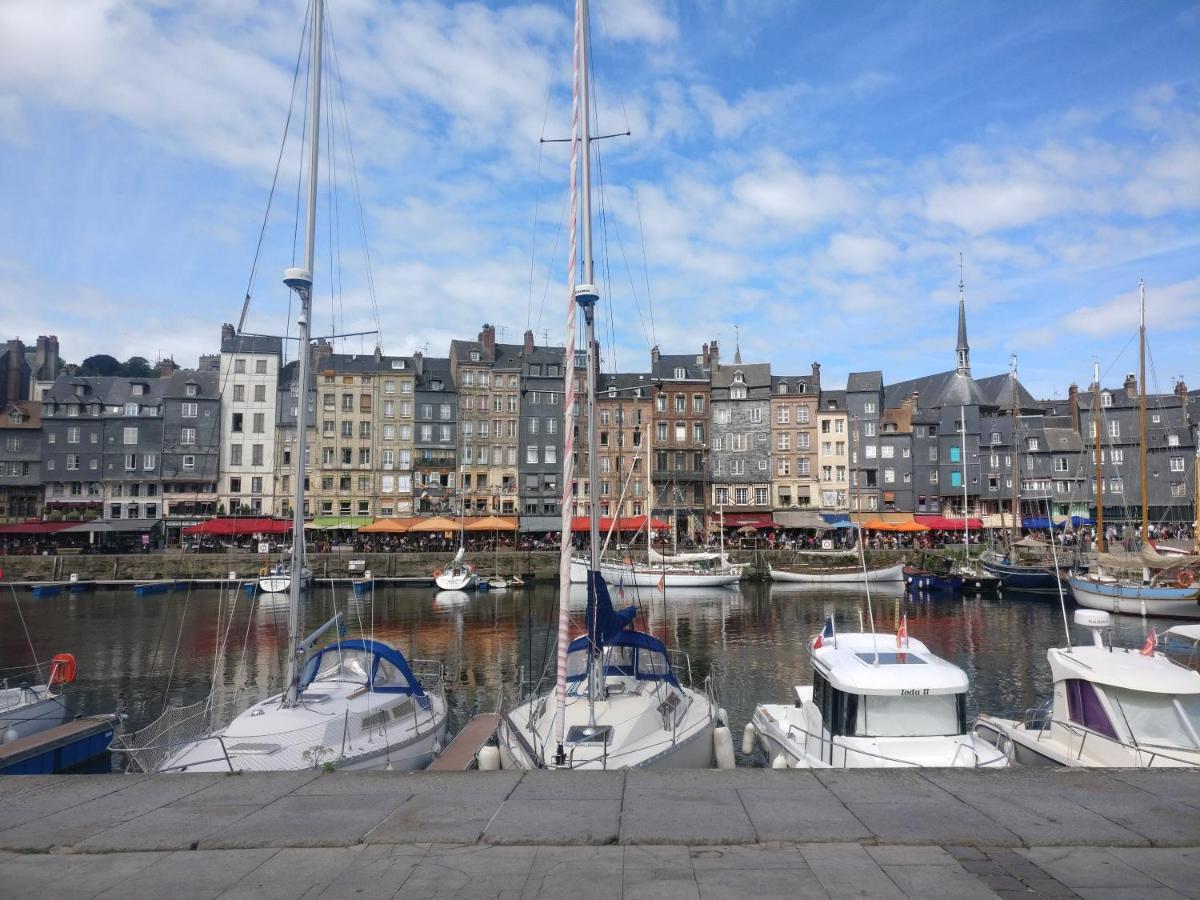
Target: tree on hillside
100 364
137 367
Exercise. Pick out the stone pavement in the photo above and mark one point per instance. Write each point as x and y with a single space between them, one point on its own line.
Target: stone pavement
744 833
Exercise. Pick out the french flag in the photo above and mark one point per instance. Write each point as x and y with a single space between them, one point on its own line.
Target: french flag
827 634
902 632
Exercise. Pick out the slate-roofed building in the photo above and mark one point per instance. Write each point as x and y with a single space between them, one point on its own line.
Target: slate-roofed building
680 438
864 405
741 442
625 407
435 481
20 460
833 455
287 409
191 450
540 433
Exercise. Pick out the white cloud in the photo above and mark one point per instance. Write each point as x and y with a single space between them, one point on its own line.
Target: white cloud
635 20
1168 309
860 253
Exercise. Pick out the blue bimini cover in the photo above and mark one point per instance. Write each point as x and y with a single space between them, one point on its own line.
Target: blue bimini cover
630 653
374 664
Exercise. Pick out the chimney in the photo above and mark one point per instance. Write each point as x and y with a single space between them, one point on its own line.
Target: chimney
52 361
1073 405
1181 391
418 363
39 355
378 356
321 349
16 353
227 333
487 337
714 355
655 356
528 341
166 367
816 374
1131 389
704 357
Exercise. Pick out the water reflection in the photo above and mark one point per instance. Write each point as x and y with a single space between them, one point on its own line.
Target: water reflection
138 653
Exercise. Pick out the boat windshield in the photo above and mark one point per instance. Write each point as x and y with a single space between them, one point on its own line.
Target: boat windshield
927 715
348 665
1165 720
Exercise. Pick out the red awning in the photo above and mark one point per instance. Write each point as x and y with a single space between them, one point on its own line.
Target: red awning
628 523
37 527
941 523
740 520
241 526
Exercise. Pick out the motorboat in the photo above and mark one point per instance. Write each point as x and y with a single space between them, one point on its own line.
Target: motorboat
458 576
877 700
893 574
925 581
278 579
26 710
1036 575
1111 706
360 706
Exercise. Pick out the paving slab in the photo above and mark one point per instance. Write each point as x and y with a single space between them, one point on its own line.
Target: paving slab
467 873
434 818
168 828
683 815
569 786
378 871
800 810
1178 869
922 880
80 821
68 875
1180 785
249 787
760 882
64 792
658 873
475 784
564 821
1084 868
576 872
187 874
848 870
291 873
21 784
904 807
1038 810
294 821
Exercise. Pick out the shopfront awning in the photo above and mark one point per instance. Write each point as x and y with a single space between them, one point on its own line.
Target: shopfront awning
110 526
837 520
740 520
388 526
491 523
433 524
338 523
882 525
1000 520
36 527
239 526
942 523
800 518
626 523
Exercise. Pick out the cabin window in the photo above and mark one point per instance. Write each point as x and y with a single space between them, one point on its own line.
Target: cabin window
387 675
1163 720
1084 707
900 716
347 665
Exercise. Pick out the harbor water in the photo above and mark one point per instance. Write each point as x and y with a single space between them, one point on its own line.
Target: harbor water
136 654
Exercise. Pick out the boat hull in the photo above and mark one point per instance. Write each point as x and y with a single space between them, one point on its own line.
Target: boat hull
28 712
889 574
648 577
929 582
456 581
1015 577
1136 599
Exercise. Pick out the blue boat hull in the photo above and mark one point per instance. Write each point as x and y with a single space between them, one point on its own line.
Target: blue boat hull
928 582
1032 579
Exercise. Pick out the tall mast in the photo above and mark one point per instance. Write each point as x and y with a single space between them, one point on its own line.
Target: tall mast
300 280
1099 458
1142 404
1016 450
962 432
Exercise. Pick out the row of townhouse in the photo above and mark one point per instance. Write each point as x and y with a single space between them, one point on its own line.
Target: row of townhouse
694 440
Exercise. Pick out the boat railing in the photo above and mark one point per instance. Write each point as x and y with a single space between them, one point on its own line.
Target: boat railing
1037 718
1151 753
431 673
681 665
510 735
150 746
792 729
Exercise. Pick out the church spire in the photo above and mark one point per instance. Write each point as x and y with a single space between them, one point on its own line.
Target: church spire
737 355
963 349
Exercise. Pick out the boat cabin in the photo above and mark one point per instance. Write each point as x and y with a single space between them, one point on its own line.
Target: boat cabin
629 655
373 665
865 686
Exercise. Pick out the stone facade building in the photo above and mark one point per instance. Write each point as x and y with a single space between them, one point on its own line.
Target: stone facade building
794 474
435 442
833 457
741 443
625 409
680 437
191 449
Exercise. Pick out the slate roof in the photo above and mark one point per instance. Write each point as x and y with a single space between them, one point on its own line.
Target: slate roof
252 343
436 367
110 390
460 351
755 374
864 381
208 384
833 400
792 381
667 363
624 383
31 410
364 364
513 356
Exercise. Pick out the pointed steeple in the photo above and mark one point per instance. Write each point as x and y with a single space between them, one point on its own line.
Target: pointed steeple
963 349
737 345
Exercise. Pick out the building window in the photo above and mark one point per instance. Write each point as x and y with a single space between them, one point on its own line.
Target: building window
1106 399
150 462
869 429
129 436
1176 463
1114 429
239 366
189 462
869 406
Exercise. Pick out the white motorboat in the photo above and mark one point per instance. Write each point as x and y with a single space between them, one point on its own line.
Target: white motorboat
877 700
666 576
841 575
458 576
1110 707
279 579
360 706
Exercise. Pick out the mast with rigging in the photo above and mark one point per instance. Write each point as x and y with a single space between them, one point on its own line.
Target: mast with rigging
1015 534
1142 405
1098 457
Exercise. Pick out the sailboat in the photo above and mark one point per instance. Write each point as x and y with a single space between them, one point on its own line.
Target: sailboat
620 699
459 575
352 704
1151 584
972 578
1024 566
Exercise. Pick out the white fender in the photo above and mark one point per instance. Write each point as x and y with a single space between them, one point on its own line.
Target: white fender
749 738
723 747
722 716
489 758
779 762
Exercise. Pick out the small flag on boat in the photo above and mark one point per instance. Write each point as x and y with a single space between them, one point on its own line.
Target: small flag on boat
902 632
827 633
1151 643
662 583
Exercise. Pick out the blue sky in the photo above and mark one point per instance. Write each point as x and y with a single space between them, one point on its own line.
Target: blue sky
806 172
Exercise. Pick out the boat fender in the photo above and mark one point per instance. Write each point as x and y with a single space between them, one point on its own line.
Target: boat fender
62 669
749 738
10 735
437 573
1185 579
489 758
779 762
722 716
723 747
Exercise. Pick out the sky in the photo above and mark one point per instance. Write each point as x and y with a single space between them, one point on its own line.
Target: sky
800 178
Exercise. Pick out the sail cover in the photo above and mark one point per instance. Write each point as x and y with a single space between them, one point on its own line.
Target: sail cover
604 622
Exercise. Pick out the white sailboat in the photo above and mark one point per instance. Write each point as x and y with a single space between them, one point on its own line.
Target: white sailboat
620 700
458 576
353 704
278 580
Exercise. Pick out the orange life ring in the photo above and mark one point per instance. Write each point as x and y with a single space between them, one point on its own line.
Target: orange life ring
437 573
62 669
1184 579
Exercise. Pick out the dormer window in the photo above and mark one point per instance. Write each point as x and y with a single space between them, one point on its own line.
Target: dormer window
191 389
137 390
398 364
738 377
612 393
15 417
474 356
1106 399
436 384
783 387
680 373
131 409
